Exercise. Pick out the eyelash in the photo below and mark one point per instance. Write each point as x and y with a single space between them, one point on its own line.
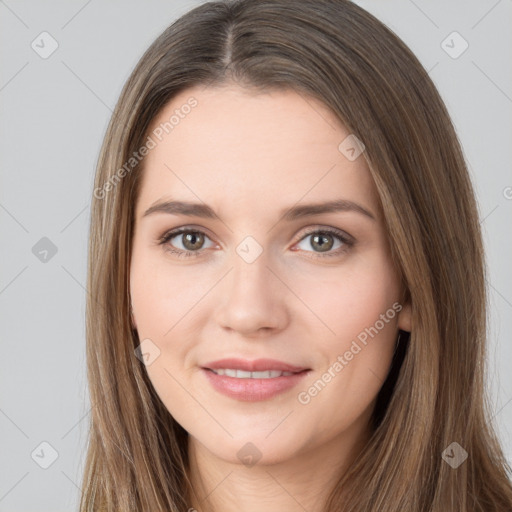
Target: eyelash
340 235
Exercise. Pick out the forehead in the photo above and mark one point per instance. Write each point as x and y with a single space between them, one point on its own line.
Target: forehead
250 150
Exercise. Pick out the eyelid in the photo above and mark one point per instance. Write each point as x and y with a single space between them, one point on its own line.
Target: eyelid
328 229
171 233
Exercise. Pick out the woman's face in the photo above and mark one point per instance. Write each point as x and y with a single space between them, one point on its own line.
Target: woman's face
258 278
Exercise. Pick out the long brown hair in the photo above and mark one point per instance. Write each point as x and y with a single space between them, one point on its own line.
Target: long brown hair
435 396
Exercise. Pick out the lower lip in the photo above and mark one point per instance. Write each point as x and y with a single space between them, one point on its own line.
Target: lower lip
252 390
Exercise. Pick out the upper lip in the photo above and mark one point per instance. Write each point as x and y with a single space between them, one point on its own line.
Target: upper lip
257 365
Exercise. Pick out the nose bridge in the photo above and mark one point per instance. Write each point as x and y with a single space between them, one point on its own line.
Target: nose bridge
250 274
251 298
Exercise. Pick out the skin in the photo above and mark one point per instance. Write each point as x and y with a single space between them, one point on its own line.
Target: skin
250 156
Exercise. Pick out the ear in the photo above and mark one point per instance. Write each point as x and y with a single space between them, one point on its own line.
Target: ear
404 317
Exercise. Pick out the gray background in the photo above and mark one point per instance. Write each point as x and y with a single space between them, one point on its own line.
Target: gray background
53 115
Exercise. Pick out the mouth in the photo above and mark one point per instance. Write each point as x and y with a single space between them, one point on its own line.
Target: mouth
251 381
242 374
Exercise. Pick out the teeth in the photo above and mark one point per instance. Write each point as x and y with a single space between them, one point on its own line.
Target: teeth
242 374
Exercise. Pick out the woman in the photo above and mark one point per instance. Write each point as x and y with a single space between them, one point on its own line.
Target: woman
287 301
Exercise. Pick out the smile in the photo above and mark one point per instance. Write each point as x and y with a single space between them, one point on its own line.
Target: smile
242 374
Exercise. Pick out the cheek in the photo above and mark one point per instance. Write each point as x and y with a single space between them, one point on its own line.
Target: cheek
360 307
353 298
163 303
161 297
167 302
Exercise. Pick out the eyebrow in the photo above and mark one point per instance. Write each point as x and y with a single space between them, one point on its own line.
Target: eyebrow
296 212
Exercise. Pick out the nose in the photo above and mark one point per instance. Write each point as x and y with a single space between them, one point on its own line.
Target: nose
252 299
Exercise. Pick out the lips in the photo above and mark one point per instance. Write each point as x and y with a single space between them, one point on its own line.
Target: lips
252 381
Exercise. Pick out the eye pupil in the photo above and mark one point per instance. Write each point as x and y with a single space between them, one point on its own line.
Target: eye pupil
324 246
193 238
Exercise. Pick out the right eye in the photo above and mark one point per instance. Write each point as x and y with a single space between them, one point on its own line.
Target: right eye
191 241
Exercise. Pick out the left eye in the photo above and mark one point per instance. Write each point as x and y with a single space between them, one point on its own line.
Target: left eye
325 241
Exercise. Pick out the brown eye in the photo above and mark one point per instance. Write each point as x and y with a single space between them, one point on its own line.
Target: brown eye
322 241
191 241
